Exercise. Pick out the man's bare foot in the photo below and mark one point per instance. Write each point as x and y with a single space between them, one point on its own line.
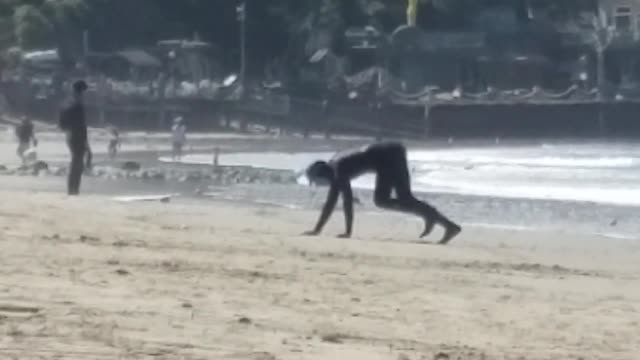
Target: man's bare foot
451 232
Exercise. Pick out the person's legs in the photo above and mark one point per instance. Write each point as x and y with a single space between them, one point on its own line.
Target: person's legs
22 147
113 145
75 168
174 150
179 150
393 173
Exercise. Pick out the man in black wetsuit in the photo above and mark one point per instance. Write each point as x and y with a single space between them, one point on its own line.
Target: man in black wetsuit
72 121
389 162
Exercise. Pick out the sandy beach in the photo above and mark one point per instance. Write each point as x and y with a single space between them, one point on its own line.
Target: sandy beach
92 278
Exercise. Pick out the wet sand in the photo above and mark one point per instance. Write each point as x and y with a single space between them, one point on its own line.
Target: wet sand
91 278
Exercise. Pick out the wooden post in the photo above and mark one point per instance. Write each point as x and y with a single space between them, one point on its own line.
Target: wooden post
427 117
379 116
326 118
216 155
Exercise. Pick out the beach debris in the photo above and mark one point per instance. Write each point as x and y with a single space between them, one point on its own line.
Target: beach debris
244 320
122 272
614 222
136 198
187 305
18 309
216 156
51 237
334 338
40 166
221 175
170 266
441 356
263 356
87 239
131 166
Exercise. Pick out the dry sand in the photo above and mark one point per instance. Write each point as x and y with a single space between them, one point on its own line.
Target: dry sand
90 278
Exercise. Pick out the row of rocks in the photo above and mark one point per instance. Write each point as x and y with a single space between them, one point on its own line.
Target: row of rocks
221 175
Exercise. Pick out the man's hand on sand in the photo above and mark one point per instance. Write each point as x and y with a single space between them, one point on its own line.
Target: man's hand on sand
311 233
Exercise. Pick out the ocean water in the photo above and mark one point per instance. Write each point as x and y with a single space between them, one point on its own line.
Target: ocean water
591 172
576 187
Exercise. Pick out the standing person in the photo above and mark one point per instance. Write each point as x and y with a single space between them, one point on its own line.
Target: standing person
178 137
72 121
389 162
26 136
114 141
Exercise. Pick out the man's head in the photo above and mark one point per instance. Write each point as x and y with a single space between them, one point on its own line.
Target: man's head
79 87
320 173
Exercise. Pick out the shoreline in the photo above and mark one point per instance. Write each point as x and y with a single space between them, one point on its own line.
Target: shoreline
228 276
581 217
572 217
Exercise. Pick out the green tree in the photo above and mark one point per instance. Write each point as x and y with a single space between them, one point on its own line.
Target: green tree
311 25
32 28
68 19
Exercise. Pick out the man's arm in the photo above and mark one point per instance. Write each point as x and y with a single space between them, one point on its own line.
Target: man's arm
329 205
347 205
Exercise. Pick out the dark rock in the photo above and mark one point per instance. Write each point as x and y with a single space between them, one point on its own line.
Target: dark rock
122 272
131 166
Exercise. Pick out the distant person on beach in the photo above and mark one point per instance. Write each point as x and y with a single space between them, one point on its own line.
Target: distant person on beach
88 157
389 162
26 138
178 137
72 121
114 141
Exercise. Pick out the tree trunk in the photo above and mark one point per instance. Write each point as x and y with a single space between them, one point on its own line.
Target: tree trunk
602 126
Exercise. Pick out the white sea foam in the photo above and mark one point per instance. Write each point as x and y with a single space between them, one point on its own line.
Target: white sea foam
535 172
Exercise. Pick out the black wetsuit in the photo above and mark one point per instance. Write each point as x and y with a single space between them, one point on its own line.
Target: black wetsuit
72 121
389 162
25 132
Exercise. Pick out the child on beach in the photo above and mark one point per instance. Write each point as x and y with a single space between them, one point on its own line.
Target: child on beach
26 137
178 137
114 141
